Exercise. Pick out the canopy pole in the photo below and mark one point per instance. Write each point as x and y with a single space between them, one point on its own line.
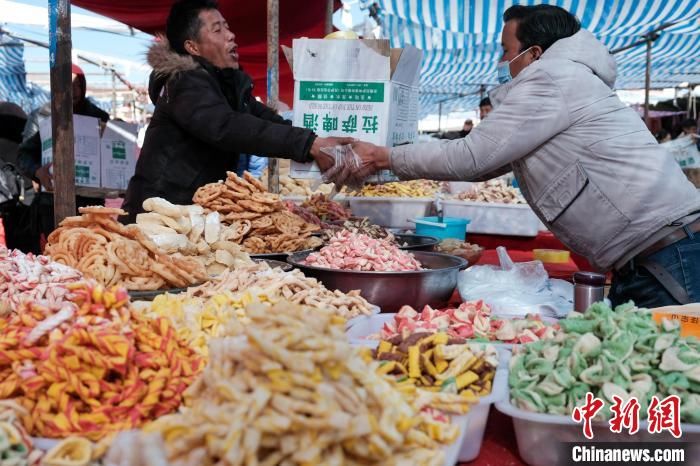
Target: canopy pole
273 45
62 109
439 117
114 94
329 16
647 84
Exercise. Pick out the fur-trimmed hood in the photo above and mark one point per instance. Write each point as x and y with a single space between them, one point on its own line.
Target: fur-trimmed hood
166 63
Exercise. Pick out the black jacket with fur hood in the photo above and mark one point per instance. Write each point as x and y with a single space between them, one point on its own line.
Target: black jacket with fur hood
204 117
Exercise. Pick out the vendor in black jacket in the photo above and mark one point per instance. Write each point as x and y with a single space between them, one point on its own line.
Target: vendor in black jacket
205 113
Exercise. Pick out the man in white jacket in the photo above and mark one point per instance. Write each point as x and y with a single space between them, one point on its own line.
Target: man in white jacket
585 162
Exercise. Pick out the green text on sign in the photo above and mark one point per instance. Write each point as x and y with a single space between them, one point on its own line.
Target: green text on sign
341 91
119 150
82 172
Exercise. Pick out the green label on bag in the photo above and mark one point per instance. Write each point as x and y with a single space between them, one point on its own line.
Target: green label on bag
335 91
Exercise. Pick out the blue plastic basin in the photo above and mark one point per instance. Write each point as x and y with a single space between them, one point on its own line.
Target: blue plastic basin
456 228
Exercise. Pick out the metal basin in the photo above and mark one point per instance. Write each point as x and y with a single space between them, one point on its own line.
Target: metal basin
277 256
391 290
274 264
416 242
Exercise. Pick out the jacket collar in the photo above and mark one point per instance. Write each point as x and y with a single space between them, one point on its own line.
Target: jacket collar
166 62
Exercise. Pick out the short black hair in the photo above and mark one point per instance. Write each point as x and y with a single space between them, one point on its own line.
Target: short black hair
541 25
661 134
688 123
484 102
184 23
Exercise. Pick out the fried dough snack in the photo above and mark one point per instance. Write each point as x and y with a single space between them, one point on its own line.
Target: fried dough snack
93 367
291 390
298 187
189 231
113 254
275 284
16 447
413 188
29 277
495 191
263 222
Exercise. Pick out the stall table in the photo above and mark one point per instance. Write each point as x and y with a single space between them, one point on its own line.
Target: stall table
563 271
543 240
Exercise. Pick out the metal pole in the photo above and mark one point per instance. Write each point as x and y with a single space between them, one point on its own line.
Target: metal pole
329 16
647 84
273 39
440 117
62 109
114 94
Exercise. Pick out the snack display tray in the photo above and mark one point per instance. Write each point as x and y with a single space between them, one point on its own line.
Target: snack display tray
473 424
391 212
494 219
539 435
361 327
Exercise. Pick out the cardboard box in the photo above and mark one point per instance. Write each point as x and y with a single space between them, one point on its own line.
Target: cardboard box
684 149
118 154
86 131
357 88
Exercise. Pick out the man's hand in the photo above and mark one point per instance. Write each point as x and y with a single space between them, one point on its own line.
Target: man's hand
364 160
44 176
373 157
323 160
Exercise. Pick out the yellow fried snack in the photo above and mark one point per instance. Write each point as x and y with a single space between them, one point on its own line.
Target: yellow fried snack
73 451
266 225
413 188
437 366
289 389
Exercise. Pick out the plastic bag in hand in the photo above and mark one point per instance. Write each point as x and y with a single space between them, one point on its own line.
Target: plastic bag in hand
346 167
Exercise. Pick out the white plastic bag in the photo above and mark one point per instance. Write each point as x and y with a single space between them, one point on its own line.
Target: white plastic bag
515 289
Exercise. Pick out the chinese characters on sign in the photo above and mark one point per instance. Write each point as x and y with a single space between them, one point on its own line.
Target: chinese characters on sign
663 415
345 116
370 124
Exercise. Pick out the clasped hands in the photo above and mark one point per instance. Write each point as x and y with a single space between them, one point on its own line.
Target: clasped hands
347 161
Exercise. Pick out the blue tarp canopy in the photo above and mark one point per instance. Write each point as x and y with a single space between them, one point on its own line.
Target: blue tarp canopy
461 42
13 77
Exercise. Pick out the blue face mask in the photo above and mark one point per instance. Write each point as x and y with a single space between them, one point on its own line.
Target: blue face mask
503 68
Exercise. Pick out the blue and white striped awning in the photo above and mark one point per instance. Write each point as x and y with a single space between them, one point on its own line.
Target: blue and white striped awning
13 77
461 41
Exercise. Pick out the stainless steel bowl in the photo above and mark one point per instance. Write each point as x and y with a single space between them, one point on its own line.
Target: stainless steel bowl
277 256
274 264
390 290
416 242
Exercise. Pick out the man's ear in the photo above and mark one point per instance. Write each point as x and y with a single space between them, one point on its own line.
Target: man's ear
536 52
191 47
